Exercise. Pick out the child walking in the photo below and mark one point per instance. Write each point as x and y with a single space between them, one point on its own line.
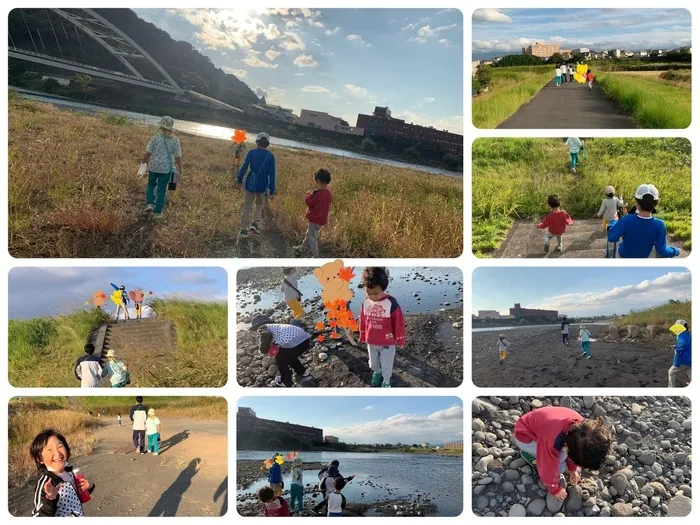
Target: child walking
641 232
259 181
162 150
557 76
585 337
274 477
503 345
336 501
555 222
292 295
152 432
561 441
319 203
88 368
297 487
284 342
119 419
589 79
238 150
116 370
609 207
60 490
274 506
565 332
382 325
575 145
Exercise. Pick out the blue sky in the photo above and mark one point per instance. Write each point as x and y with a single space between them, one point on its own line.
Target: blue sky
376 419
506 31
35 292
341 61
578 291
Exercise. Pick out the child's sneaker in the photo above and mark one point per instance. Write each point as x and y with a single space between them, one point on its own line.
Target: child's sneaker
559 248
546 247
376 379
583 353
278 382
254 227
386 385
588 357
243 234
573 170
155 453
500 362
306 373
158 215
150 207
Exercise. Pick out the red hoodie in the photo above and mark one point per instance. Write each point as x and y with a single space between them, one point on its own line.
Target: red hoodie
548 426
556 221
319 203
382 322
277 508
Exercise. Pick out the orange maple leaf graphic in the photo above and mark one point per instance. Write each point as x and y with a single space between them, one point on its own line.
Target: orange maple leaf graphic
345 273
319 326
333 324
321 339
335 335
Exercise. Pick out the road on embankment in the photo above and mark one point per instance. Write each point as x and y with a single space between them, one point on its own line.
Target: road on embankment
569 106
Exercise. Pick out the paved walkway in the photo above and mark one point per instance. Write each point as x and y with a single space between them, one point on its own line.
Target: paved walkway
569 106
584 240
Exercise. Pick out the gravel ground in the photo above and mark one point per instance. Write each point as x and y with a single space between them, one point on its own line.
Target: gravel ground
648 471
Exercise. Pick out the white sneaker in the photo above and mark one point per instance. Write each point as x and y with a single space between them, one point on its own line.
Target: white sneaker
155 453
150 207
278 382
588 357
138 450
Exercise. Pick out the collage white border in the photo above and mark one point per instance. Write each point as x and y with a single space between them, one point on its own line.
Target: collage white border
466 262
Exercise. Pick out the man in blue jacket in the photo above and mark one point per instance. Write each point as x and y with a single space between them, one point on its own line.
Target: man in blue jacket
260 179
681 357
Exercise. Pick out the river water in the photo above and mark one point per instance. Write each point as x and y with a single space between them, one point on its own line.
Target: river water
404 475
529 326
224 133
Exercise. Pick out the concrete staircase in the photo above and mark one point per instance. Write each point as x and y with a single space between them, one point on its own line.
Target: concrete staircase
584 240
140 343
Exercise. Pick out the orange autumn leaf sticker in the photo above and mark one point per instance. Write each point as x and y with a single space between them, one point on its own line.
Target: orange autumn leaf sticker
321 339
345 273
239 135
319 326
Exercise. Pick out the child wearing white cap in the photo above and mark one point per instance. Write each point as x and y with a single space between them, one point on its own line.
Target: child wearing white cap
642 232
259 181
503 346
152 432
609 206
162 152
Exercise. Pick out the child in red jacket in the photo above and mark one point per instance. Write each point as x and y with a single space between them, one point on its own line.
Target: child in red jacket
556 222
382 325
273 506
561 440
319 202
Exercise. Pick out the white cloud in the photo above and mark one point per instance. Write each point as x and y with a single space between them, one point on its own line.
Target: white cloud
428 99
292 41
260 92
290 23
369 407
357 39
272 32
315 89
673 285
445 42
298 74
410 27
240 73
331 32
427 32
271 54
224 54
315 23
253 61
491 16
305 61
453 124
356 90
438 427
224 29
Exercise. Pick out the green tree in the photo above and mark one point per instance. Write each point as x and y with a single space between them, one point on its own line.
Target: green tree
369 146
484 74
51 85
274 444
412 153
453 162
556 58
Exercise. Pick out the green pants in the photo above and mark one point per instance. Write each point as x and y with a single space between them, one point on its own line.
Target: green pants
297 493
156 189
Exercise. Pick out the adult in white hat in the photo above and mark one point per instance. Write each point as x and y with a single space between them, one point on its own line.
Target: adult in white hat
260 167
164 160
116 370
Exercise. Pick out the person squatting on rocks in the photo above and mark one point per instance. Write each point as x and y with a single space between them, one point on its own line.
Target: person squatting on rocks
162 150
562 441
319 203
138 415
641 232
259 181
284 342
682 355
382 325
555 222
59 487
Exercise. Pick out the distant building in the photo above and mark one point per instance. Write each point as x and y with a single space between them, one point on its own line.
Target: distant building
581 51
322 120
425 445
518 313
489 314
270 111
458 445
247 422
475 66
615 53
381 124
541 50
331 439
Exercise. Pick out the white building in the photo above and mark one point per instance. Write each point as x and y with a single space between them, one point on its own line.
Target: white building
615 53
322 120
489 314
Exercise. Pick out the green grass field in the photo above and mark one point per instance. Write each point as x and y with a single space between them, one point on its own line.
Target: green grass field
512 177
651 102
511 88
664 315
42 351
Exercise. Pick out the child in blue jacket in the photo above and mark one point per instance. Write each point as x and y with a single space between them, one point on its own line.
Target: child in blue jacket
682 353
274 477
259 181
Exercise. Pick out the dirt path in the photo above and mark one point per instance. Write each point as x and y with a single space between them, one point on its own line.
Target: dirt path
188 478
569 106
585 239
537 358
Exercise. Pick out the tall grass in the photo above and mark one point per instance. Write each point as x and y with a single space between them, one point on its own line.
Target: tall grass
511 88
653 104
73 192
178 407
512 177
664 315
42 351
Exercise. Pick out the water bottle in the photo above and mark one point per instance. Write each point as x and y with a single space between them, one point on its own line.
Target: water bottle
83 495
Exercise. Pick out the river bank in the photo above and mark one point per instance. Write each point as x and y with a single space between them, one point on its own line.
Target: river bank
537 358
74 193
